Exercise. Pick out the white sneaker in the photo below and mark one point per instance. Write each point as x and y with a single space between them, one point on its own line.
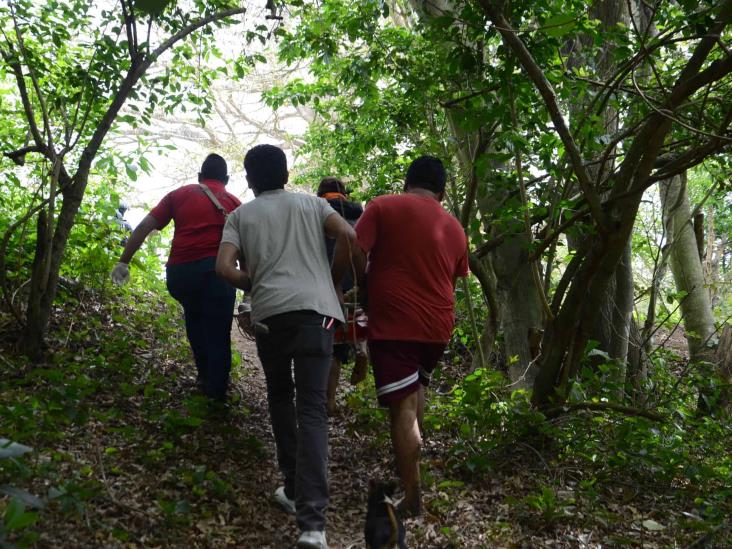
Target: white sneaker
281 499
312 539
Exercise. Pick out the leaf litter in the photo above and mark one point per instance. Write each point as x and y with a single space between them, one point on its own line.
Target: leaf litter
139 461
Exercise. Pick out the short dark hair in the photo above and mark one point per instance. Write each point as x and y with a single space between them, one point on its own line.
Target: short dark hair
214 167
427 172
331 185
266 167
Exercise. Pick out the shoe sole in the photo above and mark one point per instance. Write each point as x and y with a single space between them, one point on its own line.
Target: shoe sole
284 507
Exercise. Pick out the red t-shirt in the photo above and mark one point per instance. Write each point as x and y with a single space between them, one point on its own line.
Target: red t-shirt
415 251
198 224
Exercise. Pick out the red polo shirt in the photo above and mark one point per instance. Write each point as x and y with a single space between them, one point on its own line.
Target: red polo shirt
198 224
415 251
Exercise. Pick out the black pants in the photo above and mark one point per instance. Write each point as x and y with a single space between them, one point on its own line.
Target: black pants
208 305
297 408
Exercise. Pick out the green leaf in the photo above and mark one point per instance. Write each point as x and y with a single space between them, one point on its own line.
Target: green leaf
9 449
131 173
559 25
451 484
16 518
23 496
152 7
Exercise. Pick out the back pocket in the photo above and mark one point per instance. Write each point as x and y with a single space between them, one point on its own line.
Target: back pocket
314 340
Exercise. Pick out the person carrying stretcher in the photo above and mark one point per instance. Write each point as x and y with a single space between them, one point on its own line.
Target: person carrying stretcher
349 339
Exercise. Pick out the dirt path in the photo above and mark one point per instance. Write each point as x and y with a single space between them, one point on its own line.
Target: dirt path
127 455
456 516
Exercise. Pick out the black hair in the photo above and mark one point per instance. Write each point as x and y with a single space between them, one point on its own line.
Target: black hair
214 167
427 172
331 185
266 167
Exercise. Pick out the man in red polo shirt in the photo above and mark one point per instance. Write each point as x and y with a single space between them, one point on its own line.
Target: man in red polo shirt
415 251
207 300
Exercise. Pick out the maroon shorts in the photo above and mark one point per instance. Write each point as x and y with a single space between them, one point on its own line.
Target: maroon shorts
400 367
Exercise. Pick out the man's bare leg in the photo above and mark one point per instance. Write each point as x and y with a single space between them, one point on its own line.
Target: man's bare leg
361 363
407 443
420 408
333 378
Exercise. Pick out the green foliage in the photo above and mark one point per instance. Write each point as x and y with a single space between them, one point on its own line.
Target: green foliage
106 374
546 504
480 421
489 428
14 522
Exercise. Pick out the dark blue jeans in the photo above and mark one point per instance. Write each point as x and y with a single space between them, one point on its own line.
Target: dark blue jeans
208 305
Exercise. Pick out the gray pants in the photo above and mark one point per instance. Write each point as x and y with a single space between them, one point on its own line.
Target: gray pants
297 409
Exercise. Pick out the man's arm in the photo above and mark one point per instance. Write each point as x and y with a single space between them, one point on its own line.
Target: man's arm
346 252
346 248
226 267
121 272
138 236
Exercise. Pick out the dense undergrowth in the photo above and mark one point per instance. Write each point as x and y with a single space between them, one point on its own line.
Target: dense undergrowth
118 444
97 409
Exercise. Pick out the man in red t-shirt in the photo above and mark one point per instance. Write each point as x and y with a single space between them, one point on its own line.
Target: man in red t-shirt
208 301
415 251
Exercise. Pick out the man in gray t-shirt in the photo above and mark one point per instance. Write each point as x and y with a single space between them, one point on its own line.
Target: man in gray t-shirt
278 240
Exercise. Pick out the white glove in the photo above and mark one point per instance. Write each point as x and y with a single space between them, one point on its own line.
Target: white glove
120 273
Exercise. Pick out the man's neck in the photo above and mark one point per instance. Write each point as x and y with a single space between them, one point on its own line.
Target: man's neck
267 191
422 192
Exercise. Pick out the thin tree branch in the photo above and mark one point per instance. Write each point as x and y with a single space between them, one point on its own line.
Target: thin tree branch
129 21
135 72
34 81
477 93
30 115
606 407
547 93
18 156
485 248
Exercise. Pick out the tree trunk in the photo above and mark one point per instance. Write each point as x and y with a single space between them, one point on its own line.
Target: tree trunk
32 338
637 369
724 367
611 324
566 336
696 307
519 309
480 267
43 288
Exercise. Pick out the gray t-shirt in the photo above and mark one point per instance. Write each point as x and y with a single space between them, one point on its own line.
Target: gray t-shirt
282 238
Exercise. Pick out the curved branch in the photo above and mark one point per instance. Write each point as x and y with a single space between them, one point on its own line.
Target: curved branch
17 70
547 93
18 156
34 81
139 66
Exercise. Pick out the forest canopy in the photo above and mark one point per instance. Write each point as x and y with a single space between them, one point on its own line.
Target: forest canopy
588 154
